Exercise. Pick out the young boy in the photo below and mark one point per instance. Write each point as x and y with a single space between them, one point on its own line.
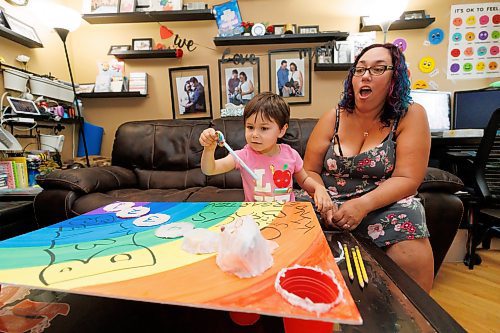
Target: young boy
266 119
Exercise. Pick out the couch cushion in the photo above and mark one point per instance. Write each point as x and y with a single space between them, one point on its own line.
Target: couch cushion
151 179
437 180
159 145
88 180
214 194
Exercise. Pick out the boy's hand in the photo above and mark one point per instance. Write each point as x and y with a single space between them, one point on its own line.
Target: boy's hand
208 138
322 200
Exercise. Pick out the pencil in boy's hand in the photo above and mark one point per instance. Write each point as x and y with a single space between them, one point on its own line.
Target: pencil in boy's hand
348 263
358 270
362 265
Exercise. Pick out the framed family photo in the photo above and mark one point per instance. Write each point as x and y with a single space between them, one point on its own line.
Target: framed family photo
290 74
239 83
118 48
127 6
190 92
142 44
309 29
22 28
100 6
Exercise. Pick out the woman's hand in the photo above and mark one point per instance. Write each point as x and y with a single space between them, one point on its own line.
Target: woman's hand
349 215
208 138
326 216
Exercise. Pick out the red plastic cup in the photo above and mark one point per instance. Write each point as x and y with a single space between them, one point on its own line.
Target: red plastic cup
244 318
293 325
311 289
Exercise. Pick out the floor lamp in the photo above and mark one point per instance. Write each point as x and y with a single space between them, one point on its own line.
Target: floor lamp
384 12
63 33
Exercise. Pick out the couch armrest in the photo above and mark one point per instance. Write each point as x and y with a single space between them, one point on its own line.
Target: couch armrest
437 180
89 180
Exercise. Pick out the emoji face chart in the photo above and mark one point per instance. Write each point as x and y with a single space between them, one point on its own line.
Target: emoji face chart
473 50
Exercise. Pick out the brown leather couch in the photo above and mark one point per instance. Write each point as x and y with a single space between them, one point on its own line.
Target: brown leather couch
160 161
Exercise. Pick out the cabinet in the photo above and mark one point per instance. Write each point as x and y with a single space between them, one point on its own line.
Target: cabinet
138 17
20 39
399 24
322 37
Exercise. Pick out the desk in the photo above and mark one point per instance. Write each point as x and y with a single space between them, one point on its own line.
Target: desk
391 302
440 146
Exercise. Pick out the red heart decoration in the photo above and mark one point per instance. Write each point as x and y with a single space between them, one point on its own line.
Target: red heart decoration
165 32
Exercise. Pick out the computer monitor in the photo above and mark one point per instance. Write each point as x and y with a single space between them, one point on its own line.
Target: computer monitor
437 104
473 108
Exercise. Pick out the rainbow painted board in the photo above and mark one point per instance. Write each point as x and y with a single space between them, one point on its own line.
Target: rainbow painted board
102 255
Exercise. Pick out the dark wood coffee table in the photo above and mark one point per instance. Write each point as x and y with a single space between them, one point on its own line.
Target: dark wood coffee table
391 302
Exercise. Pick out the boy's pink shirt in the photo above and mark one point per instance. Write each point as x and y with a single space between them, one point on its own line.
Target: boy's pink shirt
274 183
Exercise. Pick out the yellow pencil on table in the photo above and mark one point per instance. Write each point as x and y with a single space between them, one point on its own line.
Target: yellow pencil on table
348 263
362 265
358 270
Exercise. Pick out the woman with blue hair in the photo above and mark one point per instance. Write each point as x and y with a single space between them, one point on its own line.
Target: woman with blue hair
371 152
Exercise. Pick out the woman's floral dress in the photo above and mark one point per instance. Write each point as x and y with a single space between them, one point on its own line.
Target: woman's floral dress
350 177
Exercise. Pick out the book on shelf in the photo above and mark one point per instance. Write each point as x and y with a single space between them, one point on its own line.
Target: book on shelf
17 171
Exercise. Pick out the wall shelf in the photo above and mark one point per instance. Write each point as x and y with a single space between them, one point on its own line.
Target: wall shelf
141 54
20 39
111 94
322 37
399 24
331 67
137 17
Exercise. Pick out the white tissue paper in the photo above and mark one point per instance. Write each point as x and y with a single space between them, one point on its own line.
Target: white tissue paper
243 250
201 241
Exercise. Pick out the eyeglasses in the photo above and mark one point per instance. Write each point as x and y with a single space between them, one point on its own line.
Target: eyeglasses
375 70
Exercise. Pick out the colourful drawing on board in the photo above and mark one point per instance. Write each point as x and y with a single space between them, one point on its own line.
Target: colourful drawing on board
103 255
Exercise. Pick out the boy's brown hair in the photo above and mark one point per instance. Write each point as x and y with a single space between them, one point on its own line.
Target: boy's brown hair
271 107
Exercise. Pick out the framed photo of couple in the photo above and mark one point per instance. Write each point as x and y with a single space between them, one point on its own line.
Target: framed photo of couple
190 92
239 83
290 74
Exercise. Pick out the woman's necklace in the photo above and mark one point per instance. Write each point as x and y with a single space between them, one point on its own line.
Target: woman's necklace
367 131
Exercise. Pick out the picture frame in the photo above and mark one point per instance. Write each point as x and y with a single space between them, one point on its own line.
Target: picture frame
22 28
190 92
293 85
413 15
84 88
308 29
142 44
127 6
118 48
279 29
101 6
228 18
236 79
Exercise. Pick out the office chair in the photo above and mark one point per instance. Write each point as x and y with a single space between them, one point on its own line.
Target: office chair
484 210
